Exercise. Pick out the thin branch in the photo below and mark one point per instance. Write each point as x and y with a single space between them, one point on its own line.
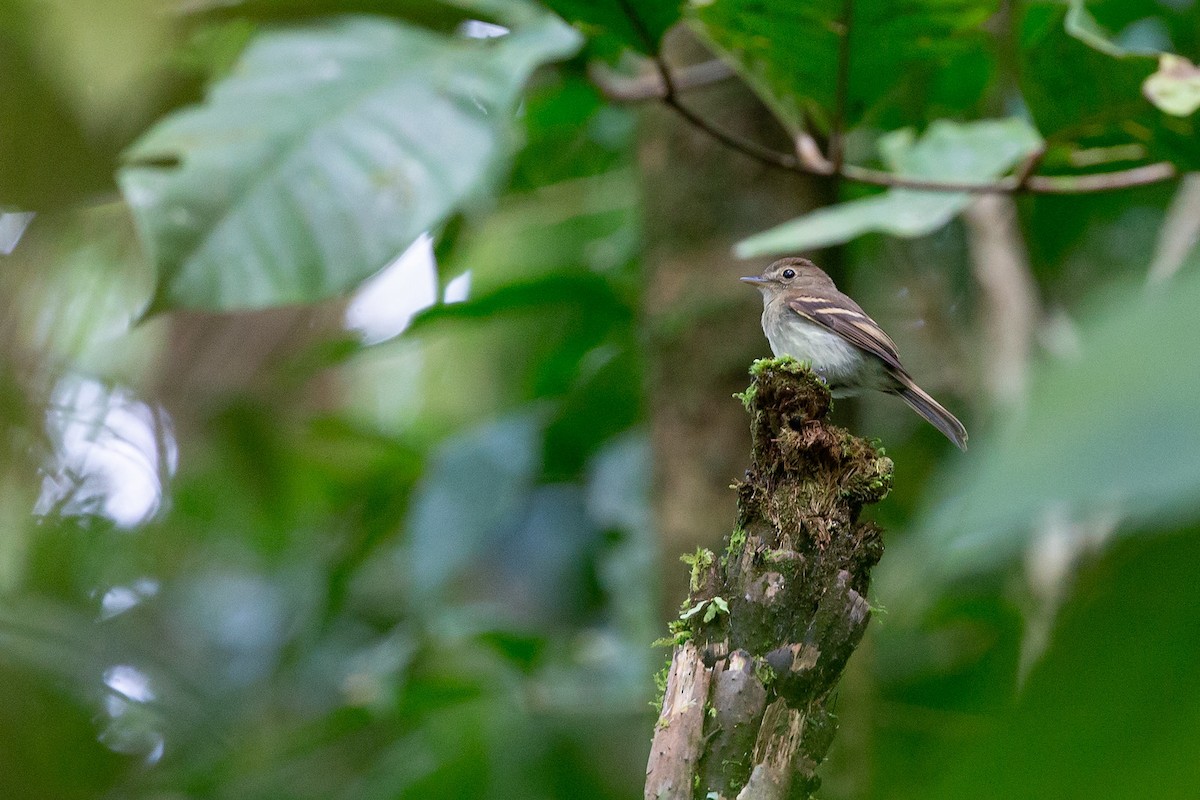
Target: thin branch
1102 181
746 147
650 86
809 163
670 96
1029 166
1037 184
810 156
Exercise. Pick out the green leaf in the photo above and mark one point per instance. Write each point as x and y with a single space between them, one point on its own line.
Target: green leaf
589 292
524 650
327 151
1083 25
1080 23
899 52
1110 433
694 610
477 482
716 606
73 285
948 151
45 156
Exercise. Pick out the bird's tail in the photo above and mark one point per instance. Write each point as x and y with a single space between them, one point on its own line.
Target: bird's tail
932 410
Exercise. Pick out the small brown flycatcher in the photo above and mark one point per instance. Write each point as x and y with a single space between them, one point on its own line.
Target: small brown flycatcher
807 318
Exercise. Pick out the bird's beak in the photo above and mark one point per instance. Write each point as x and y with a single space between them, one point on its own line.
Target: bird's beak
755 280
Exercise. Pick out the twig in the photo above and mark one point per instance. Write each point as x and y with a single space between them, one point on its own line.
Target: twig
670 96
1029 166
1023 181
1101 181
810 156
650 86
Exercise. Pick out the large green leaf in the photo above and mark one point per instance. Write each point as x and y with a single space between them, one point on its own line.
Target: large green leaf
324 154
477 482
913 52
947 151
1111 433
438 15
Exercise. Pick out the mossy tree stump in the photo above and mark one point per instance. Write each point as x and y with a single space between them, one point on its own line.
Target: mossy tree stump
769 625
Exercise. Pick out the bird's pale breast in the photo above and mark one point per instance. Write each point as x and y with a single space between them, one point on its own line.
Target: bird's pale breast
844 366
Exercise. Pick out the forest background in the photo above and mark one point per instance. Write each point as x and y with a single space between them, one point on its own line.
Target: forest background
365 366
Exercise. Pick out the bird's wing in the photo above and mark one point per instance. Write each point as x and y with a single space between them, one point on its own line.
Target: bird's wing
847 320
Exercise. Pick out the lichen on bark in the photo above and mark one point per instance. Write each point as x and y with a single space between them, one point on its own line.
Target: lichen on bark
769 625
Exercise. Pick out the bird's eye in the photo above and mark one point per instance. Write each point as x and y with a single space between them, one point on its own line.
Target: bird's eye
789 273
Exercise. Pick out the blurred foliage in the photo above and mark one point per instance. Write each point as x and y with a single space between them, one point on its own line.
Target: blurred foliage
426 566
1106 120
322 154
972 152
1108 710
79 81
942 64
1054 457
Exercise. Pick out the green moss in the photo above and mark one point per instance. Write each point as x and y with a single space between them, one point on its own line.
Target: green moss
700 562
761 367
660 685
777 557
784 363
738 773
872 482
764 672
737 540
679 636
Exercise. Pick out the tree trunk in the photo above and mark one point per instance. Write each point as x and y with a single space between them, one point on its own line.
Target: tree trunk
769 625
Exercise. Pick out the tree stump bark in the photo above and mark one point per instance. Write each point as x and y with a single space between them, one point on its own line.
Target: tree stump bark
768 625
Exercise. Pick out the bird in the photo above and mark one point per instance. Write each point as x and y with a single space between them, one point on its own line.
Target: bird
807 318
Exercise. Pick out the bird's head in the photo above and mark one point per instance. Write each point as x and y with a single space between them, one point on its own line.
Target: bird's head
787 273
